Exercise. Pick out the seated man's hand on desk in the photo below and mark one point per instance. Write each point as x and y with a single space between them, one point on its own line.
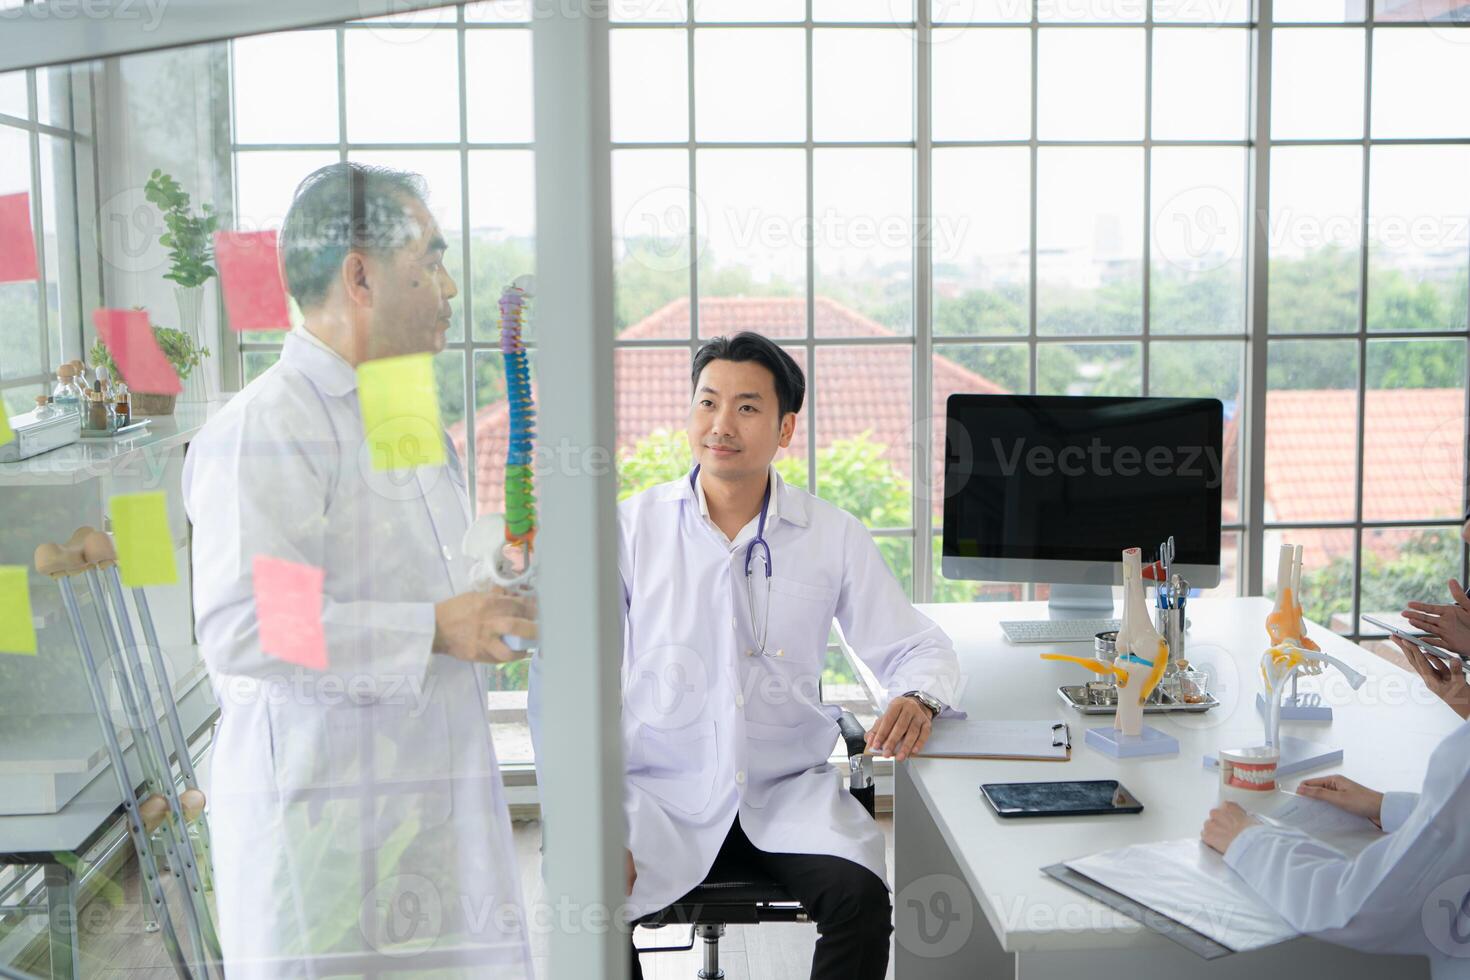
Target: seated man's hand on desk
903 729
469 626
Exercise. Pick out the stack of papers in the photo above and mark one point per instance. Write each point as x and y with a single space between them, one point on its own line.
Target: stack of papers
1189 883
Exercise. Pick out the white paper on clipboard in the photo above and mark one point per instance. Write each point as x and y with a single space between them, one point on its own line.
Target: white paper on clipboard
1188 882
980 739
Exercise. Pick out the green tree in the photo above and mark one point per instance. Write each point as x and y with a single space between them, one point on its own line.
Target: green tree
1418 571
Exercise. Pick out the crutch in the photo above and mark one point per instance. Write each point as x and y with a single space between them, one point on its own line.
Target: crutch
193 796
99 554
61 562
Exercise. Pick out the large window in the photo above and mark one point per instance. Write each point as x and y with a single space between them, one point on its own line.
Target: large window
44 137
1368 241
1057 151
1049 197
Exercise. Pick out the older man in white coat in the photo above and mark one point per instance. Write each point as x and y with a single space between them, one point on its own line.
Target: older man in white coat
358 818
1408 892
732 581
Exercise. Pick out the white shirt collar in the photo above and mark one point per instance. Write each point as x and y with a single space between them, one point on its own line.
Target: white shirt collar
318 343
749 530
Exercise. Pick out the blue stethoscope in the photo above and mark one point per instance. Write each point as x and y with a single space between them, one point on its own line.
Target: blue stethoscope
750 555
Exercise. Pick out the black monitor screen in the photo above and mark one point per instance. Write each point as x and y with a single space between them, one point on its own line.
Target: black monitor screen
1079 479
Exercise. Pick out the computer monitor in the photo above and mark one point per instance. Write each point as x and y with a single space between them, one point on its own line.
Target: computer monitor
1048 488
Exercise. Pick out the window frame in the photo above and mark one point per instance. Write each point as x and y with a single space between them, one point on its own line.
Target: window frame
1251 527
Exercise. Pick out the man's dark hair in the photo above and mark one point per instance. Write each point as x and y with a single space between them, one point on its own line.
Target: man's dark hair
340 208
747 346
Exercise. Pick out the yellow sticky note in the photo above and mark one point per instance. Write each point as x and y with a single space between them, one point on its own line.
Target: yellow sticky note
6 432
145 547
17 630
400 412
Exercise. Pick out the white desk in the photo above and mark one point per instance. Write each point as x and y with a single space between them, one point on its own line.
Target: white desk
969 896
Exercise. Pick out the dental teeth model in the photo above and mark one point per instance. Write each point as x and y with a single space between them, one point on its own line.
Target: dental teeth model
1248 775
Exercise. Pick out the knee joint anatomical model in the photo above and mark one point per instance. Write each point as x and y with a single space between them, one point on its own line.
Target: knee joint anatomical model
1291 653
1143 654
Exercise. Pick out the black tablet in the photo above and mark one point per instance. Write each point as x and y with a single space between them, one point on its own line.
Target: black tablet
1064 799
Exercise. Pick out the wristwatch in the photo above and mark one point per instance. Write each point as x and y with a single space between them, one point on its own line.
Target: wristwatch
931 703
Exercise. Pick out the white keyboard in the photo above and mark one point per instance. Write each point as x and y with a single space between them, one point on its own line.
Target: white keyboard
1056 630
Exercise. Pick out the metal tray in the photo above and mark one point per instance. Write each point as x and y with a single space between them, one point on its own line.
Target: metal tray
1075 696
133 428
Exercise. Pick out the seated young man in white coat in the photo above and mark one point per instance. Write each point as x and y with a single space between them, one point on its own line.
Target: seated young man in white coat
732 580
359 823
1408 892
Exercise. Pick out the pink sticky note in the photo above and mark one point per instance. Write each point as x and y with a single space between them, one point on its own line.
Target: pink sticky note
250 276
288 607
130 340
17 241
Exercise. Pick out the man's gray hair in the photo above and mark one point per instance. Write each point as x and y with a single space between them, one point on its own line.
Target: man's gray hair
340 208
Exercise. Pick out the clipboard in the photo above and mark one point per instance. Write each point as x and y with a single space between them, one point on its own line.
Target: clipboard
1022 741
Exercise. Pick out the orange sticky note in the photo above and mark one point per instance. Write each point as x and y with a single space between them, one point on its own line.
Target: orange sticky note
145 546
17 629
288 609
250 278
6 432
400 411
130 340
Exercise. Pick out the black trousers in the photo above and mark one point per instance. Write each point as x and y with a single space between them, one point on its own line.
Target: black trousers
849 904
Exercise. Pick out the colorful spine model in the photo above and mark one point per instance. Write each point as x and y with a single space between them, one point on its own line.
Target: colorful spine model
520 490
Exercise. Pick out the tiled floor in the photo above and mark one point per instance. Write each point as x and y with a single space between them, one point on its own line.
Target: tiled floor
115 946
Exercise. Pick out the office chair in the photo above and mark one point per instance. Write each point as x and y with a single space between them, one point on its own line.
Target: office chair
751 897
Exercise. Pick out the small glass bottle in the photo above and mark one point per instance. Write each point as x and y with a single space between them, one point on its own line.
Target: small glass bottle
122 403
99 411
44 408
67 395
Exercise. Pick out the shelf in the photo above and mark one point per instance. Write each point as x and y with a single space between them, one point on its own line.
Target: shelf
88 459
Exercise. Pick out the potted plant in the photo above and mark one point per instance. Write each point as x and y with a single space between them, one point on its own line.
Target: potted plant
182 352
189 239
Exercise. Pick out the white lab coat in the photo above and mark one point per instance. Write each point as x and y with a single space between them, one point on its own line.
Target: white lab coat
710 728
359 823
1391 897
